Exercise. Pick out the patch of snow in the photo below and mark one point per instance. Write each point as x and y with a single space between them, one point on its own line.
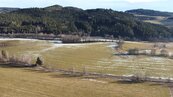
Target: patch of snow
55 41
135 42
57 45
4 39
94 80
164 78
158 59
49 48
113 46
128 75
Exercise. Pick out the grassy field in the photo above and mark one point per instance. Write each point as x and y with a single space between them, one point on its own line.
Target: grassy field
95 57
158 20
18 82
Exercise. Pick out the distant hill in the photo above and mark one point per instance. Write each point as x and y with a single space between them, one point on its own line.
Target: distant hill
53 8
6 9
71 20
155 17
150 12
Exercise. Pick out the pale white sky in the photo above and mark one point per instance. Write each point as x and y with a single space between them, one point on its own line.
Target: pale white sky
120 5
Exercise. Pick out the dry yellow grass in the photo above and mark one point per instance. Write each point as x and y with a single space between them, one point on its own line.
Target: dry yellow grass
140 45
28 83
76 56
95 57
156 20
153 21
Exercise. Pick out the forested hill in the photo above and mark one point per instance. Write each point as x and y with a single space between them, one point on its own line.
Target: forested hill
69 20
153 16
150 12
6 9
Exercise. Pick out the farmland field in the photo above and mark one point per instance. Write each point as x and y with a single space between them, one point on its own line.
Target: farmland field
17 82
94 57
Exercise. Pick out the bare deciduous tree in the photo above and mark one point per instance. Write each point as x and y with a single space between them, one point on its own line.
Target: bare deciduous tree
4 56
120 43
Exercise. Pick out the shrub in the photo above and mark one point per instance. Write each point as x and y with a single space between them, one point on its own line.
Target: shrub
153 52
139 77
164 52
39 61
120 43
1 58
133 51
13 59
71 39
22 60
4 54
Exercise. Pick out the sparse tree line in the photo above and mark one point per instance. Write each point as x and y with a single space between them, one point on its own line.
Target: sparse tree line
71 39
158 50
21 61
151 52
30 35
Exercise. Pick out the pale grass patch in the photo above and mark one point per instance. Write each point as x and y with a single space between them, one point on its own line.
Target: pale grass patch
97 57
27 83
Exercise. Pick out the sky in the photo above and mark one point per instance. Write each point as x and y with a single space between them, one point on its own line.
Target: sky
119 5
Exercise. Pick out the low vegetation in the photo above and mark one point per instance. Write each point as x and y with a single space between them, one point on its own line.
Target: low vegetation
8 60
30 83
89 57
39 62
95 57
71 39
160 51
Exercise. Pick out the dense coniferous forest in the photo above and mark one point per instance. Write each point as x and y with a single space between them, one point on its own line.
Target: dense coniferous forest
74 21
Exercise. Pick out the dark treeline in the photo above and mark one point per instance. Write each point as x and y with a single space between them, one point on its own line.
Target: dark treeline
74 21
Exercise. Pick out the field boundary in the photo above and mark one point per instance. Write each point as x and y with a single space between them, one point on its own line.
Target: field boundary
124 78
168 81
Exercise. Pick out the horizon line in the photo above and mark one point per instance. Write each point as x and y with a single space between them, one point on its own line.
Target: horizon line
82 8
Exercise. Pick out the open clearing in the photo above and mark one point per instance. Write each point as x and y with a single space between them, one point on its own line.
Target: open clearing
17 82
94 57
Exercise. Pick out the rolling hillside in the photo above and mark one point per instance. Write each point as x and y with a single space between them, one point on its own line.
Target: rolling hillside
70 20
6 9
155 17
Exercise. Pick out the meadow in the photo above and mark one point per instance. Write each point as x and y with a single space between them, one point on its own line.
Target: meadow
17 82
94 57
